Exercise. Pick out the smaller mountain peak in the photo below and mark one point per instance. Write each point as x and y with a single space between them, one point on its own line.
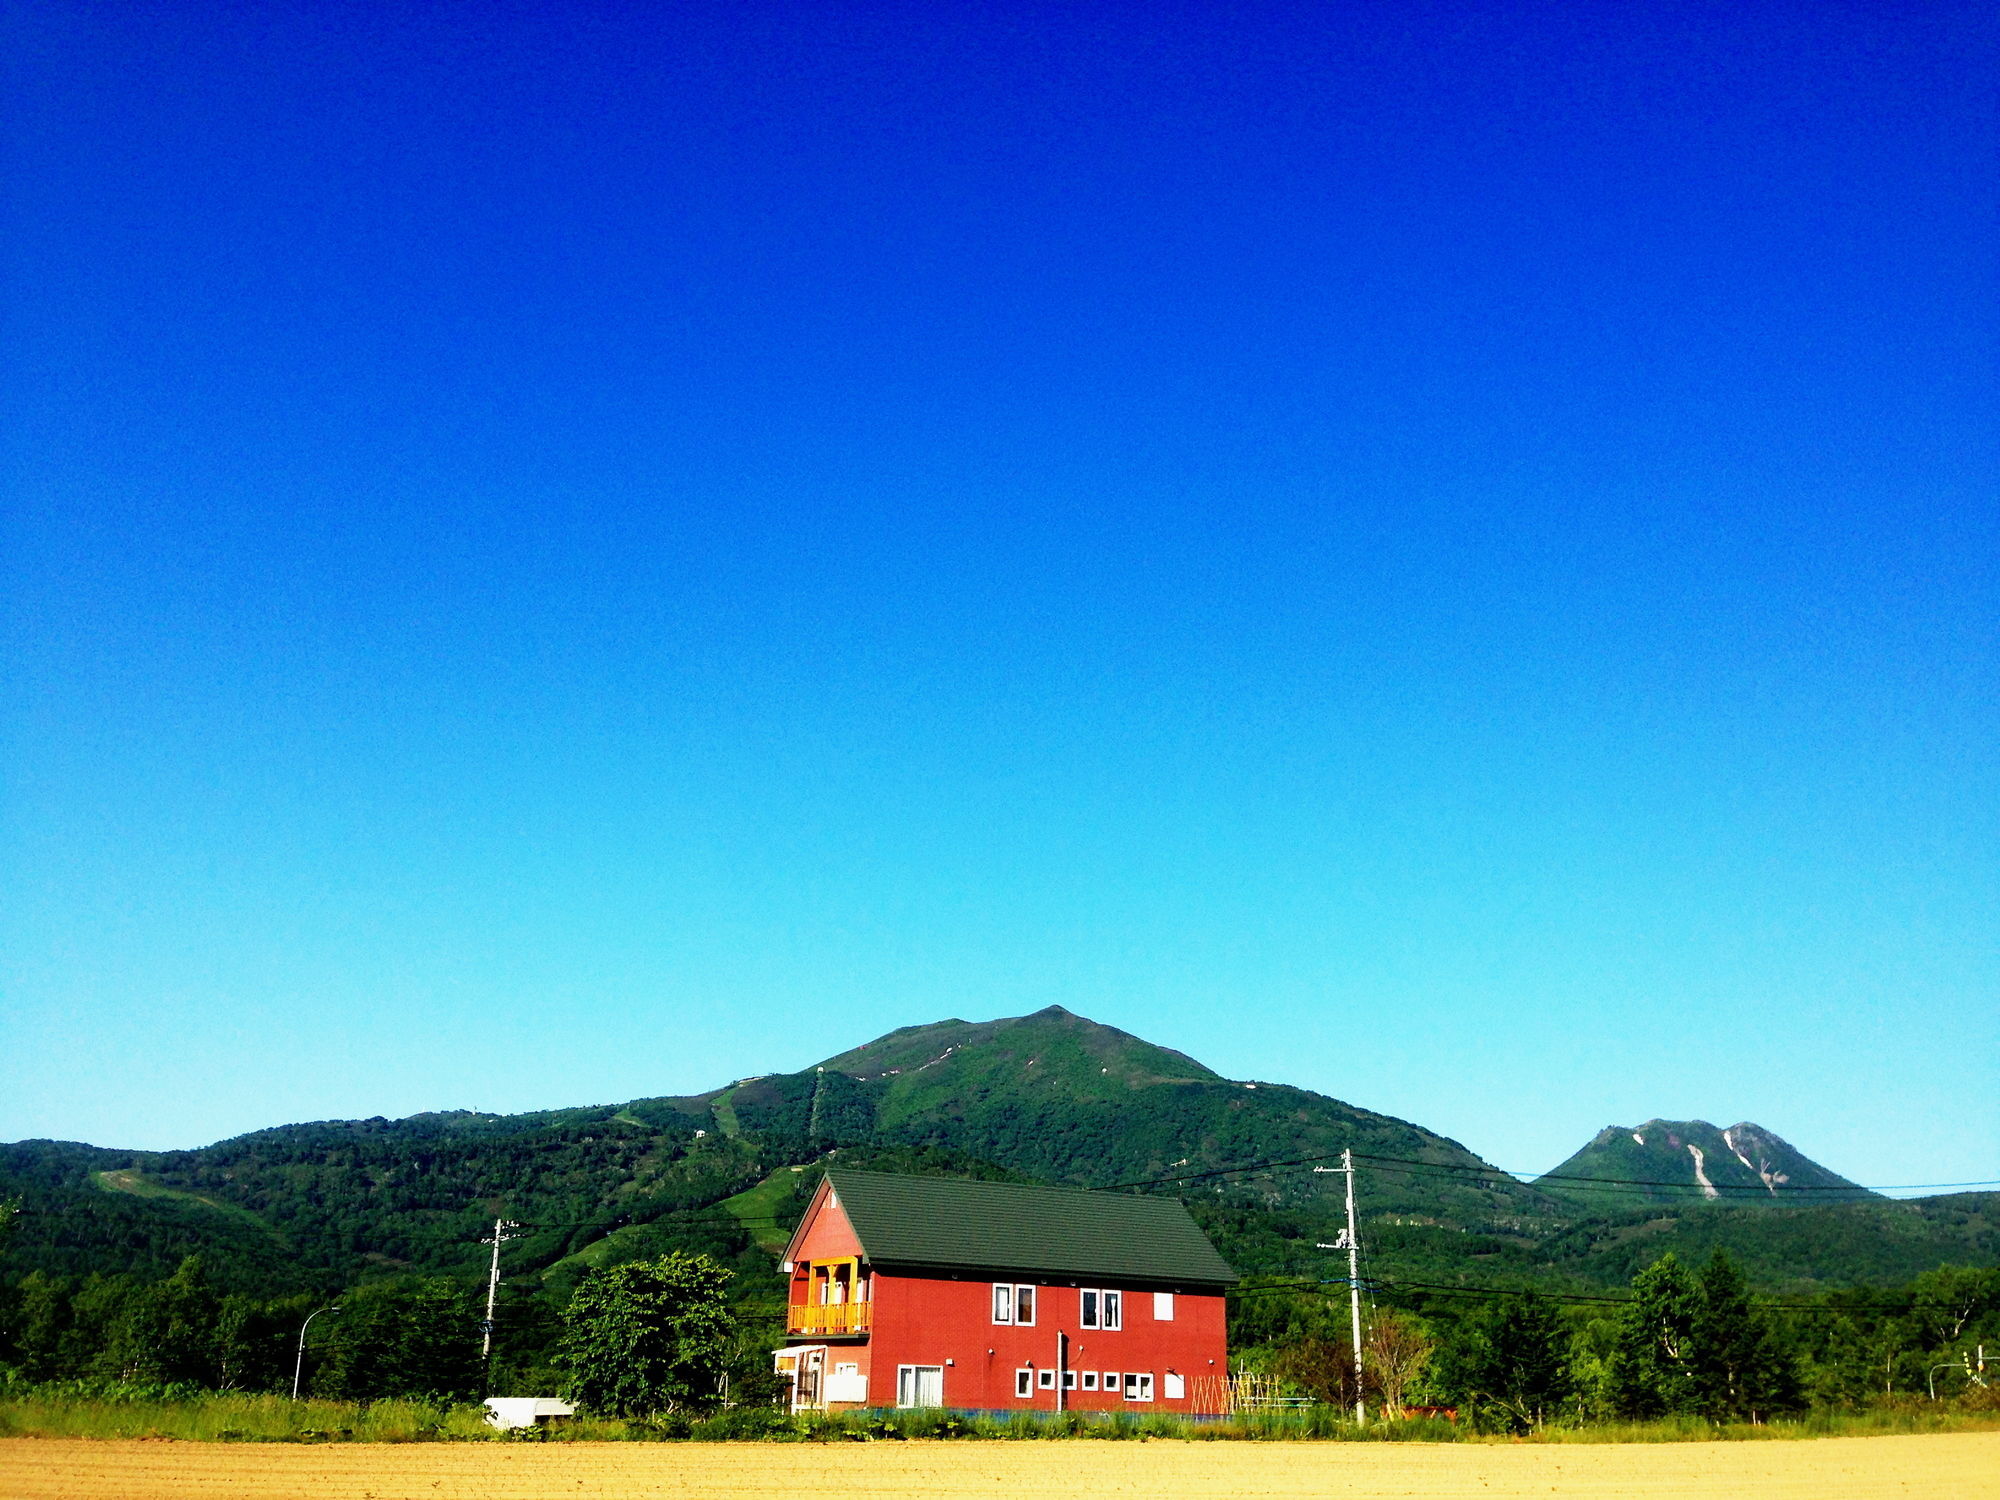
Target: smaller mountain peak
1053 1013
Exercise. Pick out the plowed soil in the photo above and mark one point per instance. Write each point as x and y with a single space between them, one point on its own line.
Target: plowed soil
1961 1466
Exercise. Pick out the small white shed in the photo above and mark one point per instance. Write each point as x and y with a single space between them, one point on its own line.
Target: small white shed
526 1411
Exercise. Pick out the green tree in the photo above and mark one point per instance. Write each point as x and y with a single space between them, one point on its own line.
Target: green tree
167 1331
1735 1365
1651 1373
416 1339
647 1336
42 1319
1510 1363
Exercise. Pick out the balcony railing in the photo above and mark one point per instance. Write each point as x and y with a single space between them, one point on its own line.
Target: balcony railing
837 1320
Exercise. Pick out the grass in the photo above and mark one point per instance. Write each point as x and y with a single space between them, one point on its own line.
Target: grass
133 1183
756 1209
74 1410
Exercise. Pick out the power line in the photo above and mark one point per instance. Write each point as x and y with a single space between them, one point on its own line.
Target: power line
1514 1179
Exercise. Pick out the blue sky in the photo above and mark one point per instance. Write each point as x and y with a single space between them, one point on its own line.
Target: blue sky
1444 554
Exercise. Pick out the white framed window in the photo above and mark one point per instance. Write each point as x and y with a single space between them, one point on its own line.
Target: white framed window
1013 1304
1090 1380
1024 1383
920 1385
1046 1379
1111 1381
1174 1387
1100 1308
1163 1307
1138 1387
1069 1380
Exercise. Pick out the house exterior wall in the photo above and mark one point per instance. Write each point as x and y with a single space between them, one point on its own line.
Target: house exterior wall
948 1322
827 1234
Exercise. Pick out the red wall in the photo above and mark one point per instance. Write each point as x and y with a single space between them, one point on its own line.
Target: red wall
929 1321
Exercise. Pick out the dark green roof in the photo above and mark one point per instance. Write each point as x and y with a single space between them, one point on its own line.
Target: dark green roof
949 1223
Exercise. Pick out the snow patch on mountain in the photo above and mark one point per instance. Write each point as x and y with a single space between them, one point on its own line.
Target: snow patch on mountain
1708 1189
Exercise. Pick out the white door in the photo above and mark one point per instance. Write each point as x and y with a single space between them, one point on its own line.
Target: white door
920 1385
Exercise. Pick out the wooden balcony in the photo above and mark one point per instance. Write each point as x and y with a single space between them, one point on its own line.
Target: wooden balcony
839 1320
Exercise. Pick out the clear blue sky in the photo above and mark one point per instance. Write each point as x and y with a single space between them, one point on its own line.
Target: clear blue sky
1441 553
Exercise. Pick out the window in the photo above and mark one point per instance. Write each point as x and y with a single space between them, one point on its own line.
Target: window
1090 1380
1024 1383
1138 1388
1069 1380
1176 1387
1111 1381
920 1385
1163 1307
1013 1304
1046 1379
1101 1309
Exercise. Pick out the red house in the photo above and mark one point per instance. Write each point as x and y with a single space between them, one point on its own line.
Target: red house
999 1297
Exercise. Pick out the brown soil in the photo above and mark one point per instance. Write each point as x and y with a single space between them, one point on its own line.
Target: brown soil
1959 1466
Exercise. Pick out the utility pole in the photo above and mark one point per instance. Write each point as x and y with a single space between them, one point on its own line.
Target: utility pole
1351 1243
1354 1286
499 1237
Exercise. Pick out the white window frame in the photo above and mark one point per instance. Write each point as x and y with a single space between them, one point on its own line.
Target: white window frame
907 1376
1174 1387
1045 1380
1024 1383
1090 1380
1100 1308
1163 1307
1069 1380
1008 1297
1111 1380
1139 1382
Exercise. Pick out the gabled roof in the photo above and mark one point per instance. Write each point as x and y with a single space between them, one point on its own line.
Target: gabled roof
950 1223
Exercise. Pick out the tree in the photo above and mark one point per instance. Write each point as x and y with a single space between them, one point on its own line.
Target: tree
1651 1373
402 1339
1394 1354
42 1315
1319 1367
646 1337
1510 1363
1951 1299
1733 1361
167 1330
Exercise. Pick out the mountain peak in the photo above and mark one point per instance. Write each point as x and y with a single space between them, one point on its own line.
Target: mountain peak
1673 1161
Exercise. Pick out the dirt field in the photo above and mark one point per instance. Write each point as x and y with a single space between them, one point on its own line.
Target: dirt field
1956 1467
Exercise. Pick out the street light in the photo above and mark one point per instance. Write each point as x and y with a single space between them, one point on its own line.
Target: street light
299 1367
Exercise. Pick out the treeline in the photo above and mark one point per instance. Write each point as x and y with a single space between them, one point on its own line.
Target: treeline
1684 1342
406 1337
664 1330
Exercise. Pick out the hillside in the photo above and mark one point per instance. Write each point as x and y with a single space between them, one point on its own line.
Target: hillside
1686 1161
1050 1096
1066 1099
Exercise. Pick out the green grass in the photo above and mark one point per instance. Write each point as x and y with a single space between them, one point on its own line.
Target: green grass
74 1410
135 1184
757 1210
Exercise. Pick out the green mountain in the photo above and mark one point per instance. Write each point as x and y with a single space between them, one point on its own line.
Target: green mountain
1682 1161
1065 1099
1050 1097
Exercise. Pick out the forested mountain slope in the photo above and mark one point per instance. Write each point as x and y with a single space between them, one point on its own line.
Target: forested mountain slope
1049 1096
